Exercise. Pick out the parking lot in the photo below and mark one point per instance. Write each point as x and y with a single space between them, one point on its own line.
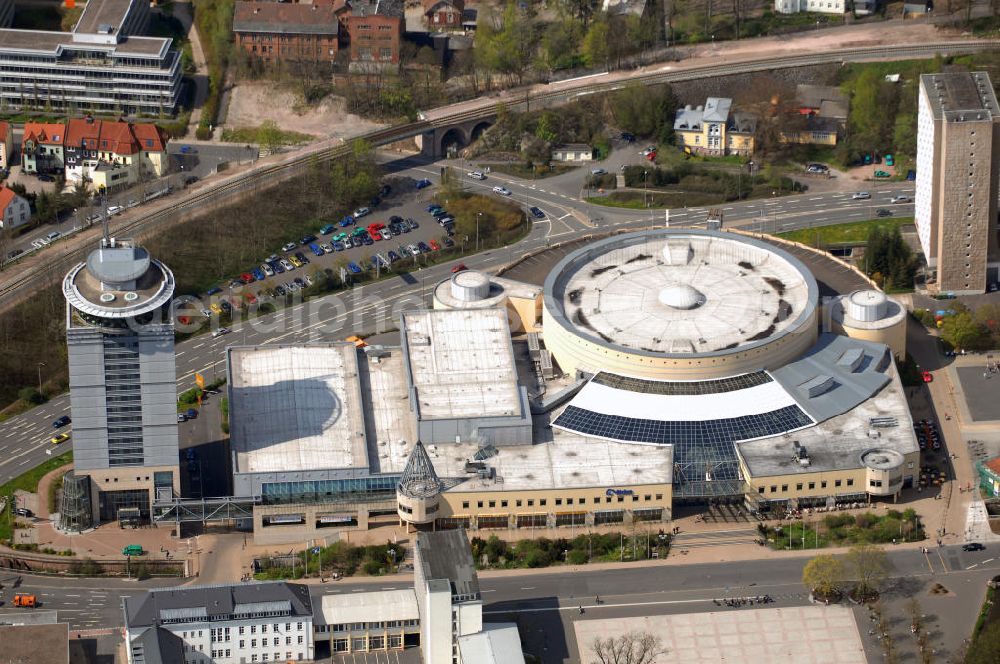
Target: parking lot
405 234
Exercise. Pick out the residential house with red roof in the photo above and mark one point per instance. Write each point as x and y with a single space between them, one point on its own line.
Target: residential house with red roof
15 210
443 14
42 147
112 155
6 144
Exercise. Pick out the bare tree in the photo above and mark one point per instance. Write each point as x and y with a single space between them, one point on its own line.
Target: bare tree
868 566
630 648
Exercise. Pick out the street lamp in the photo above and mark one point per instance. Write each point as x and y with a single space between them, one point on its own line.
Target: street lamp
478 216
40 365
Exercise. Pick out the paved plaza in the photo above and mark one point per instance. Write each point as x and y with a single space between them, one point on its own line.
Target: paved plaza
982 393
801 634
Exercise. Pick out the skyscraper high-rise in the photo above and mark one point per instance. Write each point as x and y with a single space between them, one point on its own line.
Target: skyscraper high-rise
123 391
958 166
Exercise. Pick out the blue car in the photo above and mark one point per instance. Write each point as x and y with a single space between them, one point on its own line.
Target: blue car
393 257
326 230
347 221
537 212
258 274
354 268
440 212
422 184
61 422
338 246
277 267
214 290
315 248
424 249
367 239
433 206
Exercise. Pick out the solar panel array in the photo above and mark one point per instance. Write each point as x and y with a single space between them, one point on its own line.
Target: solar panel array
704 456
691 387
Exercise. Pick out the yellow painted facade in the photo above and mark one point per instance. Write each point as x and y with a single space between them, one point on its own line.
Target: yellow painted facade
731 142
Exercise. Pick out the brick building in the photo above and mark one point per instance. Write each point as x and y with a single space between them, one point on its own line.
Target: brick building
280 32
375 30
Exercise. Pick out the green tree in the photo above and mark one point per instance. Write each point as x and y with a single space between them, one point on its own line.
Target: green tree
824 574
645 111
595 44
867 566
963 331
561 44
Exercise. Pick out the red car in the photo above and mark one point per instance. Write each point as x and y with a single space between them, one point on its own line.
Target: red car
434 245
250 297
459 268
247 278
651 156
927 376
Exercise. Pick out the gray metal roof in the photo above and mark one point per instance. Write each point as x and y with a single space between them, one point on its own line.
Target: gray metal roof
446 556
688 118
155 606
160 646
835 375
376 8
961 96
117 265
283 18
717 109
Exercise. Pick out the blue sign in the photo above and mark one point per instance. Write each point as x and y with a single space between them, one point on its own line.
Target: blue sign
618 492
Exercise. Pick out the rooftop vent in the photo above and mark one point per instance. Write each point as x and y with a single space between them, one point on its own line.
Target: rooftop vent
107 297
131 296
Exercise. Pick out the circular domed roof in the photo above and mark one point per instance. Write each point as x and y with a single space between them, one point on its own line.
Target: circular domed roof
682 296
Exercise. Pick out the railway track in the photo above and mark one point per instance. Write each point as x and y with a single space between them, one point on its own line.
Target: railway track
270 175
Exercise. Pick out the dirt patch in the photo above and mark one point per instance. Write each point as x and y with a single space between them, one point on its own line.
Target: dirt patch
252 103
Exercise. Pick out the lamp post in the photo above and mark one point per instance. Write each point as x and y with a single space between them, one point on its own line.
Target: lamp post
478 216
40 365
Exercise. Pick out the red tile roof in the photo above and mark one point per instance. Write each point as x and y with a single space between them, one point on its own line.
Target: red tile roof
6 198
44 133
994 465
117 137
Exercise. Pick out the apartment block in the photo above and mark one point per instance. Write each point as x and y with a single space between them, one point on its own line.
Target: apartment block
102 65
958 166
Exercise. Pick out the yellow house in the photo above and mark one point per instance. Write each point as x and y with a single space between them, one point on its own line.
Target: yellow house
715 129
810 130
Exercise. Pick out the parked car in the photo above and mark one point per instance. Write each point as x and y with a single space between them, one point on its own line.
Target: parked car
53 235
448 242
881 174
316 249
46 178
247 278
287 264
433 206
191 413
289 246
393 256
434 245
190 180
267 270
307 240
424 249
628 137
422 184
187 149
536 212
354 268
861 196
883 212
361 212
973 546
476 175
337 246
277 266
444 221
115 209
250 298
61 422
818 168
385 233
326 247
302 258
414 251
927 376
503 191
598 171
346 221
181 417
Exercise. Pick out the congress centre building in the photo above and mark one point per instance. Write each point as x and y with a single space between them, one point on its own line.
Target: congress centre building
650 369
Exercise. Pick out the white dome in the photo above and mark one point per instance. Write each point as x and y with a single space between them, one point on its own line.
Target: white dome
681 296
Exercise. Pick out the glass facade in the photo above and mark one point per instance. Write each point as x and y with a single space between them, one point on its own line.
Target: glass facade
124 412
353 490
112 501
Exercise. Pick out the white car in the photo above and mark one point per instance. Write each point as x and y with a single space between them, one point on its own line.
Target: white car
476 175
115 209
326 248
648 151
287 264
414 249
220 332
503 191
861 196
361 212
900 199
597 171
267 269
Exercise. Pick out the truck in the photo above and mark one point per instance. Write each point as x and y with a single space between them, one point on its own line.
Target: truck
25 601
714 220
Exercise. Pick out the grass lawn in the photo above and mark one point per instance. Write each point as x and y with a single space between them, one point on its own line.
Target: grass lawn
841 234
250 135
634 200
521 170
27 482
848 529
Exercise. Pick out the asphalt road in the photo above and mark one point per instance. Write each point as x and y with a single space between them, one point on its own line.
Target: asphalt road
373 308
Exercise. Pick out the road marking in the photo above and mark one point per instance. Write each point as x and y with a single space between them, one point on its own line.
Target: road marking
176 355
971 566
989 561
528 588
68 595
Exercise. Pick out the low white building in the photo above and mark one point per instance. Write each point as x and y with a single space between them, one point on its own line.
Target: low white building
14 210
817 6
573 152
367 622
224 624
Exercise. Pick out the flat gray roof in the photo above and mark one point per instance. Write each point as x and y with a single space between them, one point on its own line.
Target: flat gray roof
460 363
961 96
445 555
839 442
500 290
295 408
103 12
684 293
52 43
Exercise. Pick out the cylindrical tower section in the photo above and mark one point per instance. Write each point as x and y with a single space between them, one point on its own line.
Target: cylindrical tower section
679 305
870 315
470 286
883 471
